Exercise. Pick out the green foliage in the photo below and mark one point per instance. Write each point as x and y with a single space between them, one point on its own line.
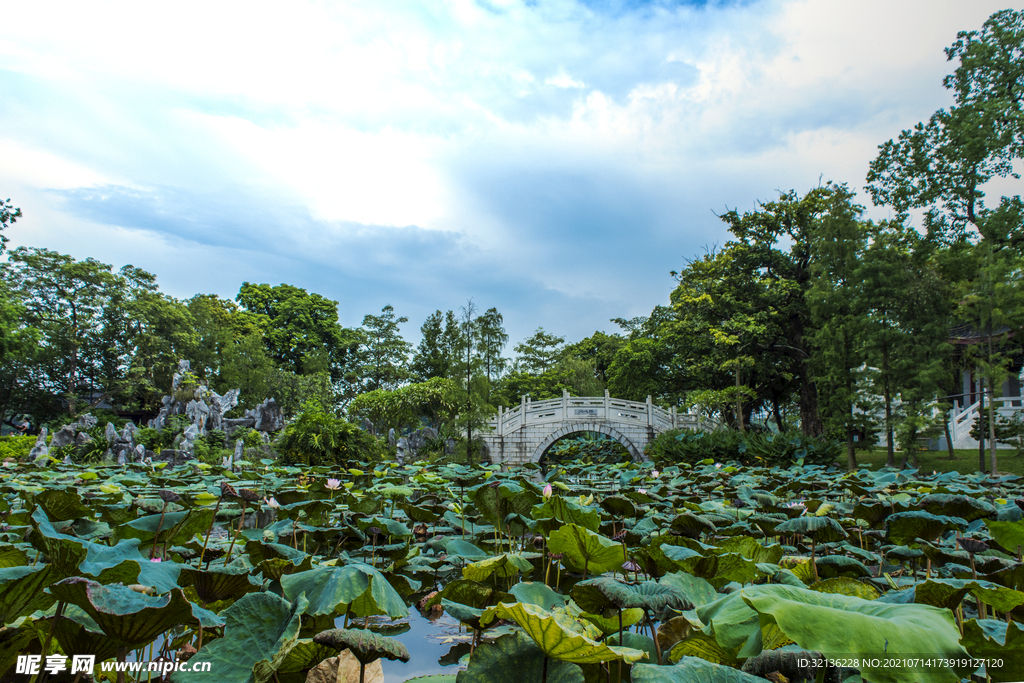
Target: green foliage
384 353
432 400
591 448
316 437
750 448
16 447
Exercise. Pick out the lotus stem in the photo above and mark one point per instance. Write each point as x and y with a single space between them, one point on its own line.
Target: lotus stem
159 527
544 671
49 636
210 530
234 538
620 640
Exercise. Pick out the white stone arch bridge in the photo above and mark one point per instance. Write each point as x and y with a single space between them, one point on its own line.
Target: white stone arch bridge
524 434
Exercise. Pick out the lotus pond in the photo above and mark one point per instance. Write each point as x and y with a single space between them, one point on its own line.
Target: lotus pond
590 573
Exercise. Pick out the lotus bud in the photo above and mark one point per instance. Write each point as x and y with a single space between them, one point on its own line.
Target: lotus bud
548 490
272 502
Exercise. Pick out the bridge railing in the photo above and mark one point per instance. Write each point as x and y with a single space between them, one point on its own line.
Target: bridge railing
592 408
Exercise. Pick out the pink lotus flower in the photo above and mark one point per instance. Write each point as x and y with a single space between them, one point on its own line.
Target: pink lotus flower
547 491
333 484
156 559
643 491
655 473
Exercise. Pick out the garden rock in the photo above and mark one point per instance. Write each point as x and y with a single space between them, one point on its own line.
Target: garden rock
65 436
40 450
110 432
87 421
267 416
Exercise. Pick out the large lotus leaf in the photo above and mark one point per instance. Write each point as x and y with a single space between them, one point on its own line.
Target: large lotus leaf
218 583
177 527
79 634
690 670
635 641
14 642
495 504
672 631
904 527
464 549
357 588
964 507
840 626
840 565
12 556
751 549
697 590
465 525
555 639
565 512
733 567
304 656
691 525
502 566
367 646
466 592
606 625
731 620
600 594
674 554
997 640
62 505
260 631
21 591
948 593
419 514
128 617
71 556
586 551
515 658
844 585
699 644
1010 535
464 613
390 527
258 551
821 529
619 506
537 593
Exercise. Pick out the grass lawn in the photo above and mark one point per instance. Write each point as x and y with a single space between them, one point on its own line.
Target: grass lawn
966 460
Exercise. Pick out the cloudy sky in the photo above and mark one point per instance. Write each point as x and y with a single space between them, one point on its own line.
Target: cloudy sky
554 159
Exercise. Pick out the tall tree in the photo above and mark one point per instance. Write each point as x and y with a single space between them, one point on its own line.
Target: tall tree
385 353
436 351
538 353
474 387
491 342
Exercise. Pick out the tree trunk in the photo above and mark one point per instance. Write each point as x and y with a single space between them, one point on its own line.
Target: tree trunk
810 418
991 412
890 452
981 431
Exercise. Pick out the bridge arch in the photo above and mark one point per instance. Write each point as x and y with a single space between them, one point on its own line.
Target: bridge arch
634 452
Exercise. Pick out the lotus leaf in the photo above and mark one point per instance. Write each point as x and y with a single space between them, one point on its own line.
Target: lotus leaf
989 638
357 588
606 625
260 631
948 593
821 529
537 593
503 566
690 670
490 664
459 548
697 590
585 550
604 593
555 639
699 644
175 529
367 646
840 565
840 626
466 592
566 512
844 585
22 591
751 549
131 619
62 505
904 527
1010 535
964 507
218 583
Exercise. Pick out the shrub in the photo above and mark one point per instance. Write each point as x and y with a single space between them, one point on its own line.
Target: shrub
749 448
16 447
316 437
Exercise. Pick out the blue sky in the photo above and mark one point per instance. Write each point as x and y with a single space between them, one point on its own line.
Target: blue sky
553 159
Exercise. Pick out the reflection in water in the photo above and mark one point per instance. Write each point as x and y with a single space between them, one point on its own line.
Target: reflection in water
428 641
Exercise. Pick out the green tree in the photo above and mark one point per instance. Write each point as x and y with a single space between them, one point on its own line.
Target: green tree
599 349
385 354
473 384
943 165
299 328
436 351
538 353
491 341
